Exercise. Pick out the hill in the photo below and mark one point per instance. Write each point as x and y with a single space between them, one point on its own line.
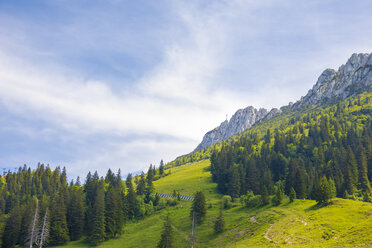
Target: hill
344 223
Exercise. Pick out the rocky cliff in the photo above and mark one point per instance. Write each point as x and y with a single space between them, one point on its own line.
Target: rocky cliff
240 121
349 79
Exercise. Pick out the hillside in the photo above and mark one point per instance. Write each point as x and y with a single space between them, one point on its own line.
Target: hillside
344 223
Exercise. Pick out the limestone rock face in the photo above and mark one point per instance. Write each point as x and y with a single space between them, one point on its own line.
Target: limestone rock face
355 75
349 79
240 121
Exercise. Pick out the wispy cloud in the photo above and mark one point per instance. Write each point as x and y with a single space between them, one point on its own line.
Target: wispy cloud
124 85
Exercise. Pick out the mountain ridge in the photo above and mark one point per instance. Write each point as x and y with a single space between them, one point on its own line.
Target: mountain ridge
354 75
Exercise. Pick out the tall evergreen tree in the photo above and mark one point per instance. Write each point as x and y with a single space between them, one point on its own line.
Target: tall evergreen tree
141 186
97 234
166 239
161 168
12 228
58 223
75 213
199 208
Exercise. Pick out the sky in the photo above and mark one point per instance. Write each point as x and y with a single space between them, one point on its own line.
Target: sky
95 84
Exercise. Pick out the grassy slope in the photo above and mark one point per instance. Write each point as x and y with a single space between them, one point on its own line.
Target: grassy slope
344 223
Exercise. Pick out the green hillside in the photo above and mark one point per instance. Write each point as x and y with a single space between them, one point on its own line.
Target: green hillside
317 152
344 223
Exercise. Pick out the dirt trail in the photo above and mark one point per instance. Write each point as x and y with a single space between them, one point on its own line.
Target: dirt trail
267 233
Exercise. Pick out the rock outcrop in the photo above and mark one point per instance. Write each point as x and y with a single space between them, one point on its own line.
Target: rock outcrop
240 121
349 79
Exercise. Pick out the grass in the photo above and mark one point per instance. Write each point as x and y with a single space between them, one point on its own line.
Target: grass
344 223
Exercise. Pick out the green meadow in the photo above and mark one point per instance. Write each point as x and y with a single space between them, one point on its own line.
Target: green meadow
343 223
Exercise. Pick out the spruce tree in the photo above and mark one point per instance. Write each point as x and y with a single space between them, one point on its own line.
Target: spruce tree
265 196
323 192
58 223
130 202
128 181
198 206
277 199
112 204
12 228
219 224
292 195
166 239
363 172
97 234
75 213
161 168
141 186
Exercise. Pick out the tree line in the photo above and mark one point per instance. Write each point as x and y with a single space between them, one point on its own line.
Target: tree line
331 148
39 207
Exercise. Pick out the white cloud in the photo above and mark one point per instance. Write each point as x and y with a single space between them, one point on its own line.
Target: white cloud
216 58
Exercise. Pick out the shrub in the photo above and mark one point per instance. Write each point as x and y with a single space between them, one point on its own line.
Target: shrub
226 202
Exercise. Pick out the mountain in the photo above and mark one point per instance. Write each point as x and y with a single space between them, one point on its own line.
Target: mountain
351 78
240 121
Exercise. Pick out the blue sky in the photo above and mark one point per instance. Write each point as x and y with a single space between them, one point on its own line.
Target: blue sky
93 85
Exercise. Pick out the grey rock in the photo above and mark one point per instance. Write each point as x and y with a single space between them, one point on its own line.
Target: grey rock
356 74
347 80
273 112
240 121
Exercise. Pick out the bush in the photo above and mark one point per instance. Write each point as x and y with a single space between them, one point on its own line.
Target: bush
219 224
226 202
172 202
161 204
254 201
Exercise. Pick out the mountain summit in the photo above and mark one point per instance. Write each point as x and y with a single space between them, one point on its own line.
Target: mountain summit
240 121
349 79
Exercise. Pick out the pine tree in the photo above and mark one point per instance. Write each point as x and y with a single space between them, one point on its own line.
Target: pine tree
97 234
292 195
130 202
58 224
112 205
332 188
166 240
161 168
75 213
141 187
12 228
323 192
128 181
277 199
150 175
219 224
363 172
198 206
265 196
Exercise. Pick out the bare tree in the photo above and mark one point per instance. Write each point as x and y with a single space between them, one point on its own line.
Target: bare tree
43 231
34 227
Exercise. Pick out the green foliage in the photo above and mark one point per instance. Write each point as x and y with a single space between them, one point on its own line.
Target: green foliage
219 224
166 239
226 202
323 191
278 198
75 213
199 208
298 147
58 224
97 234
12 228
292 195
